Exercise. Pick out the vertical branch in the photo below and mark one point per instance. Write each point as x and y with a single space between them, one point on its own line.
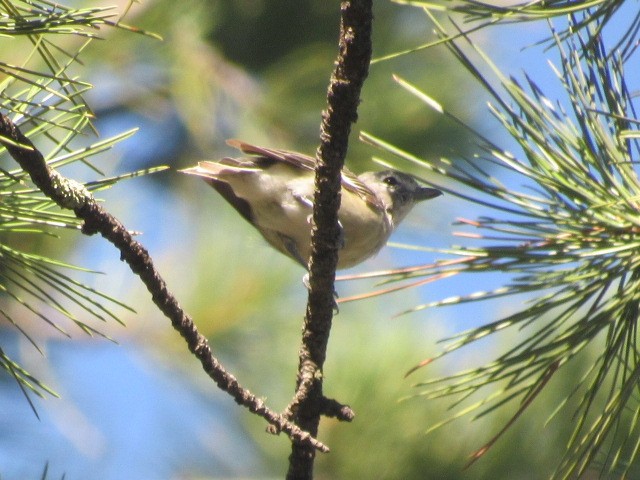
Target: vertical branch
352 67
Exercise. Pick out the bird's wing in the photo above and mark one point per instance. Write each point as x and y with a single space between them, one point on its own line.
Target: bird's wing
349 180
297 160
353 184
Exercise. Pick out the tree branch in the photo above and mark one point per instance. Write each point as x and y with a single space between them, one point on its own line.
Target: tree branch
72 195
352 67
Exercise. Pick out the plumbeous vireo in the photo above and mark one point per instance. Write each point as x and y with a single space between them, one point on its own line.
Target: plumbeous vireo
273 190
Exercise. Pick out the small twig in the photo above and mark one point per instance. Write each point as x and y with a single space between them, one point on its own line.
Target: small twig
352 67
72 195
334 409
328 406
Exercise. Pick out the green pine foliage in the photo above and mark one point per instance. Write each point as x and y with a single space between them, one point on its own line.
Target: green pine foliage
565 233
41 94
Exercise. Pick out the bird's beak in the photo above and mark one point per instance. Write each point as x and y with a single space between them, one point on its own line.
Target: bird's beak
425 193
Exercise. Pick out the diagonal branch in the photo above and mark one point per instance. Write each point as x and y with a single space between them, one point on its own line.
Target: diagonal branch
352 67
72 195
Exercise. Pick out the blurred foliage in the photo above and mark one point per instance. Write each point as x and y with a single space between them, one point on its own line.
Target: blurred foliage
259 71
388 438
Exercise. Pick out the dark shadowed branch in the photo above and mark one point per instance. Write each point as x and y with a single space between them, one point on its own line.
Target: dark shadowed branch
352 67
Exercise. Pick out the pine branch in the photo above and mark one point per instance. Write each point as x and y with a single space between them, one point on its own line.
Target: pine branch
72 195
351 69
565 231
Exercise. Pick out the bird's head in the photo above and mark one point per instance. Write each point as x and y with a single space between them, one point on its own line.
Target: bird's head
398 191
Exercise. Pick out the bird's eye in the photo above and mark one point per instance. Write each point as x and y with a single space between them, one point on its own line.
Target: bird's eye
391 181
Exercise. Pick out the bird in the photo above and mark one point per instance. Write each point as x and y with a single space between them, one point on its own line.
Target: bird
273 190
